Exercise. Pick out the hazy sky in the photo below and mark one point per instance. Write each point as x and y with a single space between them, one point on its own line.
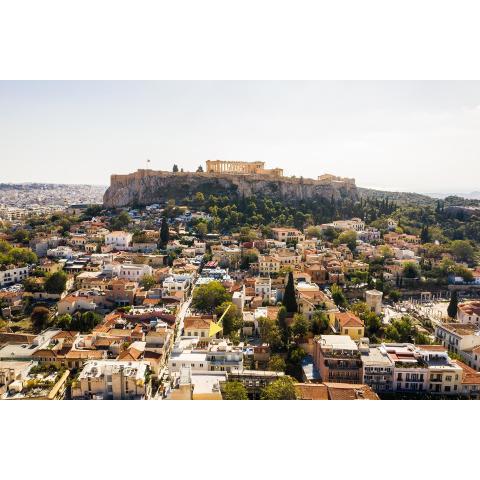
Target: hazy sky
415 136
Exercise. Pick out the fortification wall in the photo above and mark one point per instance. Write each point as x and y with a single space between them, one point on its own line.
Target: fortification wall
145 187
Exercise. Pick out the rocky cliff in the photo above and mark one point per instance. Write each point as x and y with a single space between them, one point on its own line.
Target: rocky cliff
145 187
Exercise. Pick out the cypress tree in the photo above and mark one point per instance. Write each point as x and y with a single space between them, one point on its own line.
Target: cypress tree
453 305
289 299
164 232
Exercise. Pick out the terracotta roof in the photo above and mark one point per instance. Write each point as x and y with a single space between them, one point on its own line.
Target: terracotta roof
470 308
66 334
196 323
432 348
470 376
311 391
85 354
130 354
348 319
346 391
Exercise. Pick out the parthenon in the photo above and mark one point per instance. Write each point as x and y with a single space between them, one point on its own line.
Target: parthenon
245 168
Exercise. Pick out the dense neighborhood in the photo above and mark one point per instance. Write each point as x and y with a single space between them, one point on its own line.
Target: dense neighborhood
209 300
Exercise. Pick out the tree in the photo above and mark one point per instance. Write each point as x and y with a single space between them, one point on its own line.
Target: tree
120 221
464 272
282 324
289 298
281 389
453 305
64 321
164 232
314 232
277 364
338 296
56 283
300 325
320 323
232 320
425 235
175 168
234 391
200 169
270 333
85 322
147 282
199 197
40 317
330 234
207 297
463 251
202 229
411 270
349 237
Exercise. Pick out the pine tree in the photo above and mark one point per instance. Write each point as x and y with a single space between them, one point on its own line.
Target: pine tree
453 305
289 299
175 168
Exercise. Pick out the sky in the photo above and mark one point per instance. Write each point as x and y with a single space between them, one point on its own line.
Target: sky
405 136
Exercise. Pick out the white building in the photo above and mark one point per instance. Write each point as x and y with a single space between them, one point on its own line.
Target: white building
263 287
469 312
13 275
60 252
127 271
119 240
177 283
219 356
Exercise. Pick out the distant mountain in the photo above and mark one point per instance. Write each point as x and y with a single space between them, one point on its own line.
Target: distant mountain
401 198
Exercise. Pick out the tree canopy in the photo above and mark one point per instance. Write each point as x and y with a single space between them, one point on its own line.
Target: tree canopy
56 283
207 297
234 391
281 389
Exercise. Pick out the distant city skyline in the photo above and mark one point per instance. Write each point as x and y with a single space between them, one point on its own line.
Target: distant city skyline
406 136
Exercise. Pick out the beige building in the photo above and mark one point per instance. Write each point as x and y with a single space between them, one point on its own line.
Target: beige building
288 235
268 264
113 380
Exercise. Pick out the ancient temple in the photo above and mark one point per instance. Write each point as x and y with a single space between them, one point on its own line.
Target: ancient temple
242 168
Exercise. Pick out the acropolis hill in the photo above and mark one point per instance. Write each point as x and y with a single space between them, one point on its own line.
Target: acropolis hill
231 178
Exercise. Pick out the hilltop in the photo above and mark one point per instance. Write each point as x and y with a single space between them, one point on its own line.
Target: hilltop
148 186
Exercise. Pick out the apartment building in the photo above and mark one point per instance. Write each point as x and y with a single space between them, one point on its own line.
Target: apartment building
113 380
378 368
219 356
410 368
444 375
263 288
338 359
268 264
